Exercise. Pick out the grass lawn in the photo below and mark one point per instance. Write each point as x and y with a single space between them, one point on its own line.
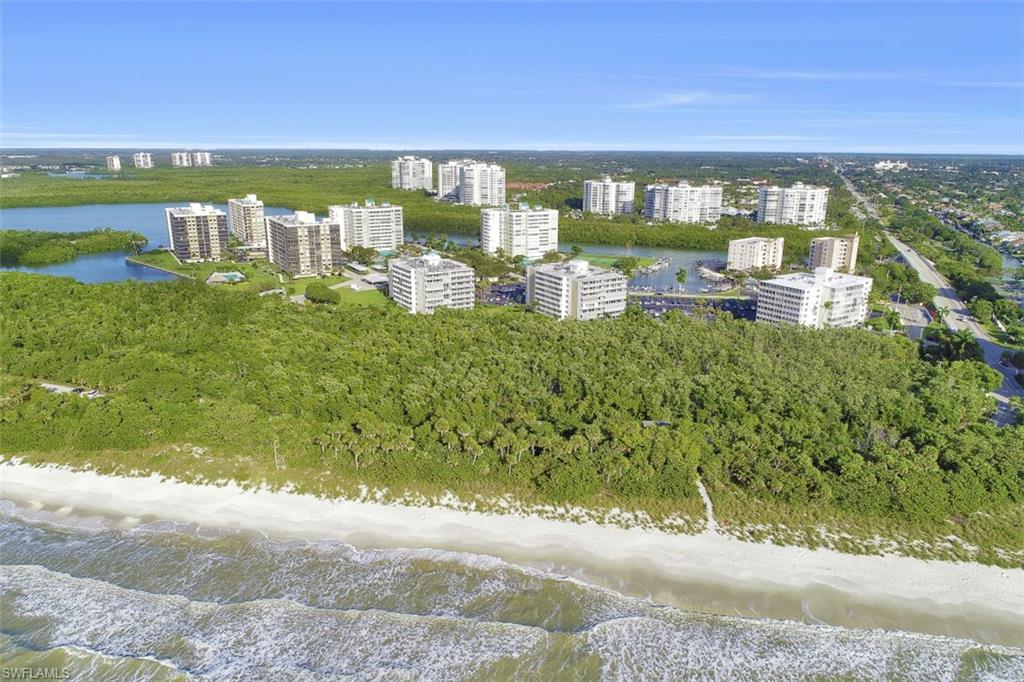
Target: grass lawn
1001 337
497 310
735 292
298 286
258 276
371 297
161 259
604 260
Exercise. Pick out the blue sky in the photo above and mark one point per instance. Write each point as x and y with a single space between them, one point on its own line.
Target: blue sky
917 77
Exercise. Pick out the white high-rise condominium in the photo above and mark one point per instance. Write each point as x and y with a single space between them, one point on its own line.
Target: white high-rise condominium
575 290
608 197
143 160
448 178
797 205
181 159
824 298
423 284
197 232
755 253
527 232
304 246
470 182
482 184
371 226
683 203
113 164
412 172
201 159
246 220
837 253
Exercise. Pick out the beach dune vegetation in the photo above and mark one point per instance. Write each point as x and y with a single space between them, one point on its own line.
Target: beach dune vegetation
625 412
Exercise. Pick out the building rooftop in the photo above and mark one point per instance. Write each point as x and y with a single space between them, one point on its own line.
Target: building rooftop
249 199
820 276
795 185
472 162
682 183
367 203
195 209
299 218
574 268
431 261
522 206
754 240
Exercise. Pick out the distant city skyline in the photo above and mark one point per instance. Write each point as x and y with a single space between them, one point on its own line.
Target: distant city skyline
783 77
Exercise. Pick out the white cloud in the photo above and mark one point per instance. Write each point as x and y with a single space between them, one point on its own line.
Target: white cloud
683 99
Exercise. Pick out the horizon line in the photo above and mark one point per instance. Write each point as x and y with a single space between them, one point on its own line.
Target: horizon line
4 151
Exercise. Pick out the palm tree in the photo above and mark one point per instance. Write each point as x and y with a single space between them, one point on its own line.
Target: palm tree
962 346
959 345
892 319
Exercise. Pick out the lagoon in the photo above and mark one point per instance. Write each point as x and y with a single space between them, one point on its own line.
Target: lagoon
146 219
664 279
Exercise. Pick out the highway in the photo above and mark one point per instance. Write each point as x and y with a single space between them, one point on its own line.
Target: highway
866 207
959 318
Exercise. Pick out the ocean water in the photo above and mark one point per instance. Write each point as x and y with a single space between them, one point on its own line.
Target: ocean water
99 598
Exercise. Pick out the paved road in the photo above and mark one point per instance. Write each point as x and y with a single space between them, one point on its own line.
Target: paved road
862 201
959 318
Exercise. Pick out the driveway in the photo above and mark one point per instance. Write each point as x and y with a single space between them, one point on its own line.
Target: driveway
913 317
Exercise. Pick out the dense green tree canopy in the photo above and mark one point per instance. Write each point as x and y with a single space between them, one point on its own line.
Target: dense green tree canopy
842 419
30 247
318 292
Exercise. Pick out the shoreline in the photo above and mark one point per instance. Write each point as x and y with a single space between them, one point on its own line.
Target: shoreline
707 572
135 261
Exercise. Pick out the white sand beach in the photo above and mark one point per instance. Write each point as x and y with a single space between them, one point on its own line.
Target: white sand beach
898 592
